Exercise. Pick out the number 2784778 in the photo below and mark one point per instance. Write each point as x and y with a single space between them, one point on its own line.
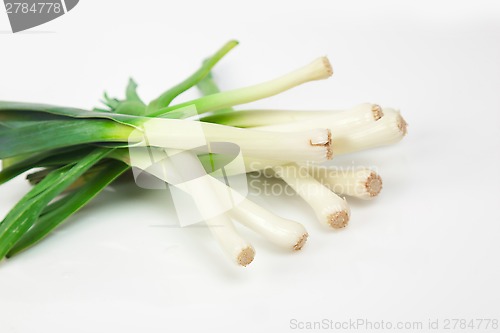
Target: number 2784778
35 8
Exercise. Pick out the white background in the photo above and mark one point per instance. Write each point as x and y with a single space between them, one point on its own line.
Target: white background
427 248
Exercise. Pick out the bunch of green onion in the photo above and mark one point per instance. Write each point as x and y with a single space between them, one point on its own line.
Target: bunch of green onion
75 154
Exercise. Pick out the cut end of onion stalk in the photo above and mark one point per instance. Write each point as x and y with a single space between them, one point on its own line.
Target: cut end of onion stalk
332 210
319 69
327 68
362 183
246 256
302 241
377 112
236 247
373 184
324 141
402 124
339 220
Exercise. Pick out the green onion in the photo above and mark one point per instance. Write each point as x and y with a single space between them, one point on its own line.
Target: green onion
74 154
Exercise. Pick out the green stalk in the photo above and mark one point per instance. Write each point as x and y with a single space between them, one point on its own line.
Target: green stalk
50 158
167 97
53 134
207 86
56 213
131 93
25 213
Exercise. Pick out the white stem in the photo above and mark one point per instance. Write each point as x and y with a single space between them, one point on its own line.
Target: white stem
236 248
330 209
362 183
250 164
319 69
362 114
364 127
313 145
391 128
187 165
280 231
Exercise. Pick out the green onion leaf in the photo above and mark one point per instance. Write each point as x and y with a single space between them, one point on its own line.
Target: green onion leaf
167 97
27 210
56 213
52 134
131 92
